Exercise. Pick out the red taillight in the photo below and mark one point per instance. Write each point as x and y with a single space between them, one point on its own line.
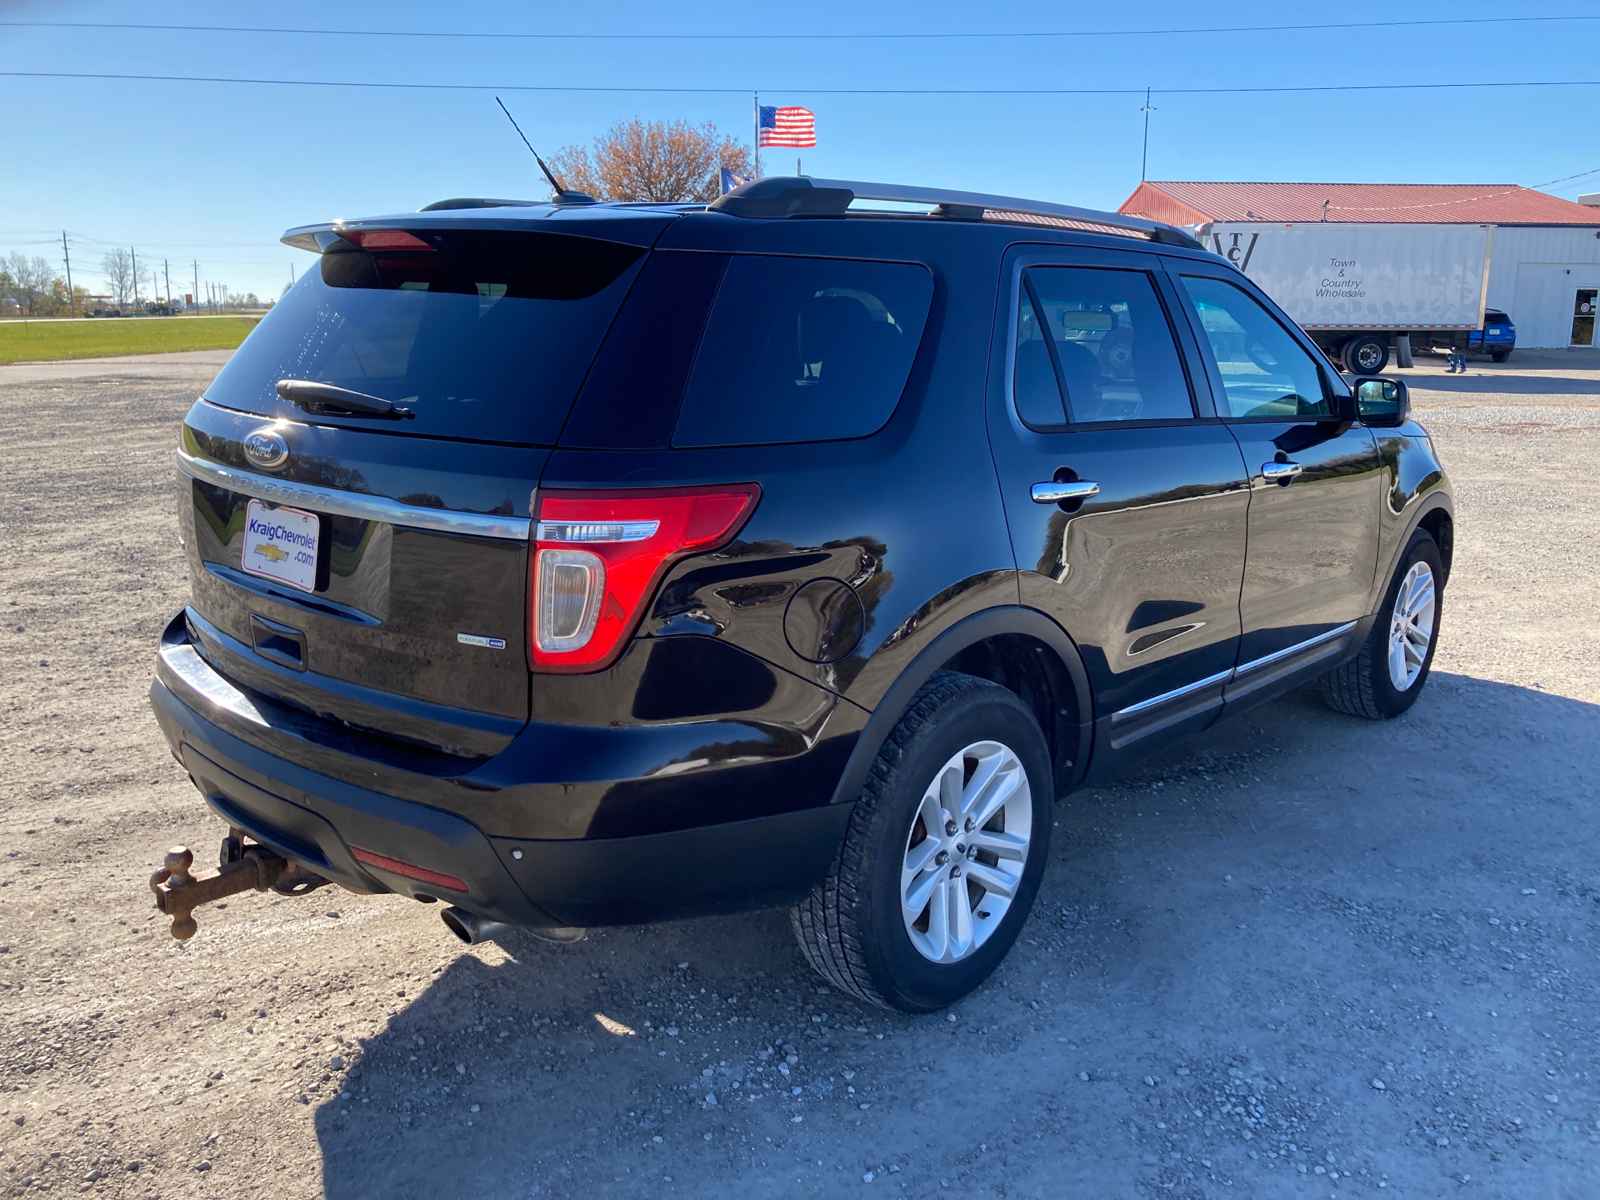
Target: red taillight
384 239
384 863
597 557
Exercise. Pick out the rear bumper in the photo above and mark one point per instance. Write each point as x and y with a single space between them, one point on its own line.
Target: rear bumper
222 736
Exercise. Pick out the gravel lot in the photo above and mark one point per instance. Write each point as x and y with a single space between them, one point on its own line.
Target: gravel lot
1306 956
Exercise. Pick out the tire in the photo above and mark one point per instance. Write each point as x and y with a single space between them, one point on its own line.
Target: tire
852 928
1500 355
1365 354
1371 685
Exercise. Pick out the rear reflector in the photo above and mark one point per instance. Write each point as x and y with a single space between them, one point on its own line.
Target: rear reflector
598 557
394 865
384 239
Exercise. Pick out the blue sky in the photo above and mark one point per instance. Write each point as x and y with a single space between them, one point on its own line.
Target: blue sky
215 172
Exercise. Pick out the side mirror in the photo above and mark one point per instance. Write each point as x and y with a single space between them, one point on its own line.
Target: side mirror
1383 403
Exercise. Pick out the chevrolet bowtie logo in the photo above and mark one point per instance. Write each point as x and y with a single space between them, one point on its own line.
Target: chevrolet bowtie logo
273 553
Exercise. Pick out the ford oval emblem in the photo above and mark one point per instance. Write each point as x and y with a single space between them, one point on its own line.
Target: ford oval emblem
266 448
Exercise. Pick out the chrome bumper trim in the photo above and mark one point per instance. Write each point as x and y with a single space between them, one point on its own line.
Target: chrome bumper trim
352 504
197 674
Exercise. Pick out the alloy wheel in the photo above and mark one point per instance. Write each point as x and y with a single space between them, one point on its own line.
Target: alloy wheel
1411 626
966 851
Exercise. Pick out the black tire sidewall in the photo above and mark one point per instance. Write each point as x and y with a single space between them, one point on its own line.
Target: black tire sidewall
903 976
1390 699
1352 347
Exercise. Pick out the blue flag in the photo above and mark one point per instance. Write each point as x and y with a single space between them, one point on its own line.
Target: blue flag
731 181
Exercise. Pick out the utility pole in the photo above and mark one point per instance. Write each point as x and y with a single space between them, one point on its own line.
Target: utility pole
166 270
1144 158
72 302
134 259
196 264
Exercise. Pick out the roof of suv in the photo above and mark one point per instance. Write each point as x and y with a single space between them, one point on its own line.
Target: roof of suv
786 197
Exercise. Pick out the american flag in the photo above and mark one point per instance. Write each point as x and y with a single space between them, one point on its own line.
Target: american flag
792 126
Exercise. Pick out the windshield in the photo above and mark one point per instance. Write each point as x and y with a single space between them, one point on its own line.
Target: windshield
485 335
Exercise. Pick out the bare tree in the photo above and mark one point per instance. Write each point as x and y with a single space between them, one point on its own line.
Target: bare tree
117 267
30 279
653 161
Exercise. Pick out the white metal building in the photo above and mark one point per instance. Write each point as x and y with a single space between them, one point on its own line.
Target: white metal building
1544 262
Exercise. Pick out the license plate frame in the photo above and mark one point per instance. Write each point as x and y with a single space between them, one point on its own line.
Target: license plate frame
281 544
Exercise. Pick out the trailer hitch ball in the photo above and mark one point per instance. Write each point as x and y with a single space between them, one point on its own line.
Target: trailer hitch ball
245 867
179 860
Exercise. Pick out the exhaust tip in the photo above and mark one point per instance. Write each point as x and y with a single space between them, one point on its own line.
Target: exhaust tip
471 928
452 918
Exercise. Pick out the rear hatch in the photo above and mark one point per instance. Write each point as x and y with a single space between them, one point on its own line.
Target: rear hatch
357 479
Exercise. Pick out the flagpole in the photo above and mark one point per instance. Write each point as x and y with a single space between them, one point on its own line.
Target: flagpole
757 161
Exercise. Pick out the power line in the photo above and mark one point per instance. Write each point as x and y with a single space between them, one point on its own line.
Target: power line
798 37
814 91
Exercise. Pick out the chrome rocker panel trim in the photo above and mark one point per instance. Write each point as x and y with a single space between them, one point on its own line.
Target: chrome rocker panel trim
1328 638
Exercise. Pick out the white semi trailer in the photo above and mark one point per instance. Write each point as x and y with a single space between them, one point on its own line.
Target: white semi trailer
1361 290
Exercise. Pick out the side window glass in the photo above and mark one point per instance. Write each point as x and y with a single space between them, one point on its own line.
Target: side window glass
1265 373
1033 381
804 350
1108 342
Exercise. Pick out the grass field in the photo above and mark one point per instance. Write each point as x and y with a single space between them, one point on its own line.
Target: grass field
42 341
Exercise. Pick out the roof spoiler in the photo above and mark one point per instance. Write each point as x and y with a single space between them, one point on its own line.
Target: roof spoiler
782 196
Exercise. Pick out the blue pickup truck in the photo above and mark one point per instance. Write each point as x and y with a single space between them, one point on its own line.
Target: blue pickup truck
1497 338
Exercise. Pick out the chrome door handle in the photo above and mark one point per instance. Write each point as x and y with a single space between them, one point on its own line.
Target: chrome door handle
1072 489
1280 472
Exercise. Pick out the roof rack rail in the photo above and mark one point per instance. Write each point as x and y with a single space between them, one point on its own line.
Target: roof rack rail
795 196
476 202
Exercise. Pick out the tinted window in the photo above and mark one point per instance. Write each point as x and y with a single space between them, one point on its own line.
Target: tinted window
487 335
631 399
1095 345
804 349
1265 372
1494 317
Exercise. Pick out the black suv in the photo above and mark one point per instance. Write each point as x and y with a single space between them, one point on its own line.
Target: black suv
580 563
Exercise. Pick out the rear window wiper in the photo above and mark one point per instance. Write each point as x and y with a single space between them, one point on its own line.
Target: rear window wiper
326 398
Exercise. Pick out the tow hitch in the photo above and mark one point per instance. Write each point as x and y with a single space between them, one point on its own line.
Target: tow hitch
244 867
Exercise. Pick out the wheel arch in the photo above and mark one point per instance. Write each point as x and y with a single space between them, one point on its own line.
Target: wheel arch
1019 648
1440 523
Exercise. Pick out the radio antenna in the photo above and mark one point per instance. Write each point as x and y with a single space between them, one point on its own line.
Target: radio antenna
560 193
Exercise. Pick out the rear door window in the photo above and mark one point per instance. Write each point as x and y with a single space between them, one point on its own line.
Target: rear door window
1095 345
803 350
485 335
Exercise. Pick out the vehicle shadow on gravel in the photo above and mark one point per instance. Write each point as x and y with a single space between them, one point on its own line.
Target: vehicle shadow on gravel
1270 907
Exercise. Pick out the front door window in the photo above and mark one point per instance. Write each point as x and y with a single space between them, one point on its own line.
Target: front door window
1583 317
1265 373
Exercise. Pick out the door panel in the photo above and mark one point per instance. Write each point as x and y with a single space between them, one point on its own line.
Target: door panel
1315 482
1145 572
1313 539
1146 575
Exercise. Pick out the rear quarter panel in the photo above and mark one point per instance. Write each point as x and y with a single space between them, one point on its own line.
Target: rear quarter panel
908 518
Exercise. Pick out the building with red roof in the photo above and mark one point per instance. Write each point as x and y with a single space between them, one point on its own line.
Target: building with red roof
1544 258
